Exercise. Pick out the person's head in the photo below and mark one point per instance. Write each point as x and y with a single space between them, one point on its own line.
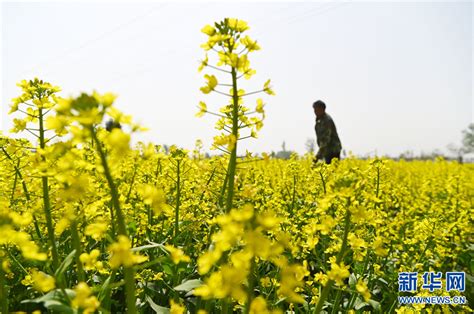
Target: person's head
112 124
319 108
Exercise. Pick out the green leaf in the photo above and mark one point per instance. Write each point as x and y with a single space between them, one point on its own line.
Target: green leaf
168 270
65 264
359 304
157 308
352 280
189 285
149 246
104 288
48 296
280 301
382 281
57 307
54 295
375 305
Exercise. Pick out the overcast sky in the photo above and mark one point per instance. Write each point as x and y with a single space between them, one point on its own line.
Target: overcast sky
395 76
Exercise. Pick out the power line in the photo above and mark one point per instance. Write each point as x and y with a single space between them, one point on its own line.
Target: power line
319 10
268 20
317 13
99 37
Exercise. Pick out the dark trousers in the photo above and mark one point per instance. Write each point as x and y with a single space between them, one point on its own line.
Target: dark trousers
331 156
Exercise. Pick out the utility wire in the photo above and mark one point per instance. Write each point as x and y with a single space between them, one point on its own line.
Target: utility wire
317 13
99 37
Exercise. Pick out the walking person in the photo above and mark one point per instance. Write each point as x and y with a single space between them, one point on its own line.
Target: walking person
326 134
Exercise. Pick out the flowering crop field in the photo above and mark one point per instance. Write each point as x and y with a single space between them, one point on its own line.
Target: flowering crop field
90 223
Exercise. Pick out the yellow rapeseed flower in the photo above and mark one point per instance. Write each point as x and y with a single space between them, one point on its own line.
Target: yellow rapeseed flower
237 25
96 230
338 273
258 306
176 308
89 260
362 288
84 299
177 255
43 282
154 197
250 44
202 109
118 141
121 254
211 84
208 30
267 88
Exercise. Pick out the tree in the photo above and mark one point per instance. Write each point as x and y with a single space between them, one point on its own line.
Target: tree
456 150
310 145
468 139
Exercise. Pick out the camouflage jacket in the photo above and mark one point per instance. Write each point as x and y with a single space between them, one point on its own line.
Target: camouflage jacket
327 138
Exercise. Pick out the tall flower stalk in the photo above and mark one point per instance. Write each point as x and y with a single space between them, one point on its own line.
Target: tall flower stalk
88 111
35 103
122 229
231 48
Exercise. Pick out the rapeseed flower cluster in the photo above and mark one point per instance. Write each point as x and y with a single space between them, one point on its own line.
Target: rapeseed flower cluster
242 244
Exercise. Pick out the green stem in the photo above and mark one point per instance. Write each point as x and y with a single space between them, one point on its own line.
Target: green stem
128 271
235 130
3 290
178 195
112 217
344 239
25 190
328 286
351 302
77 246
158 170
46 201
225 306
294 194
129 193
12 256
222 192
336 302
393 306
250 290
106 302
129 275
208 181
378 182
150 221
323 181
14 187
365 272
110 181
